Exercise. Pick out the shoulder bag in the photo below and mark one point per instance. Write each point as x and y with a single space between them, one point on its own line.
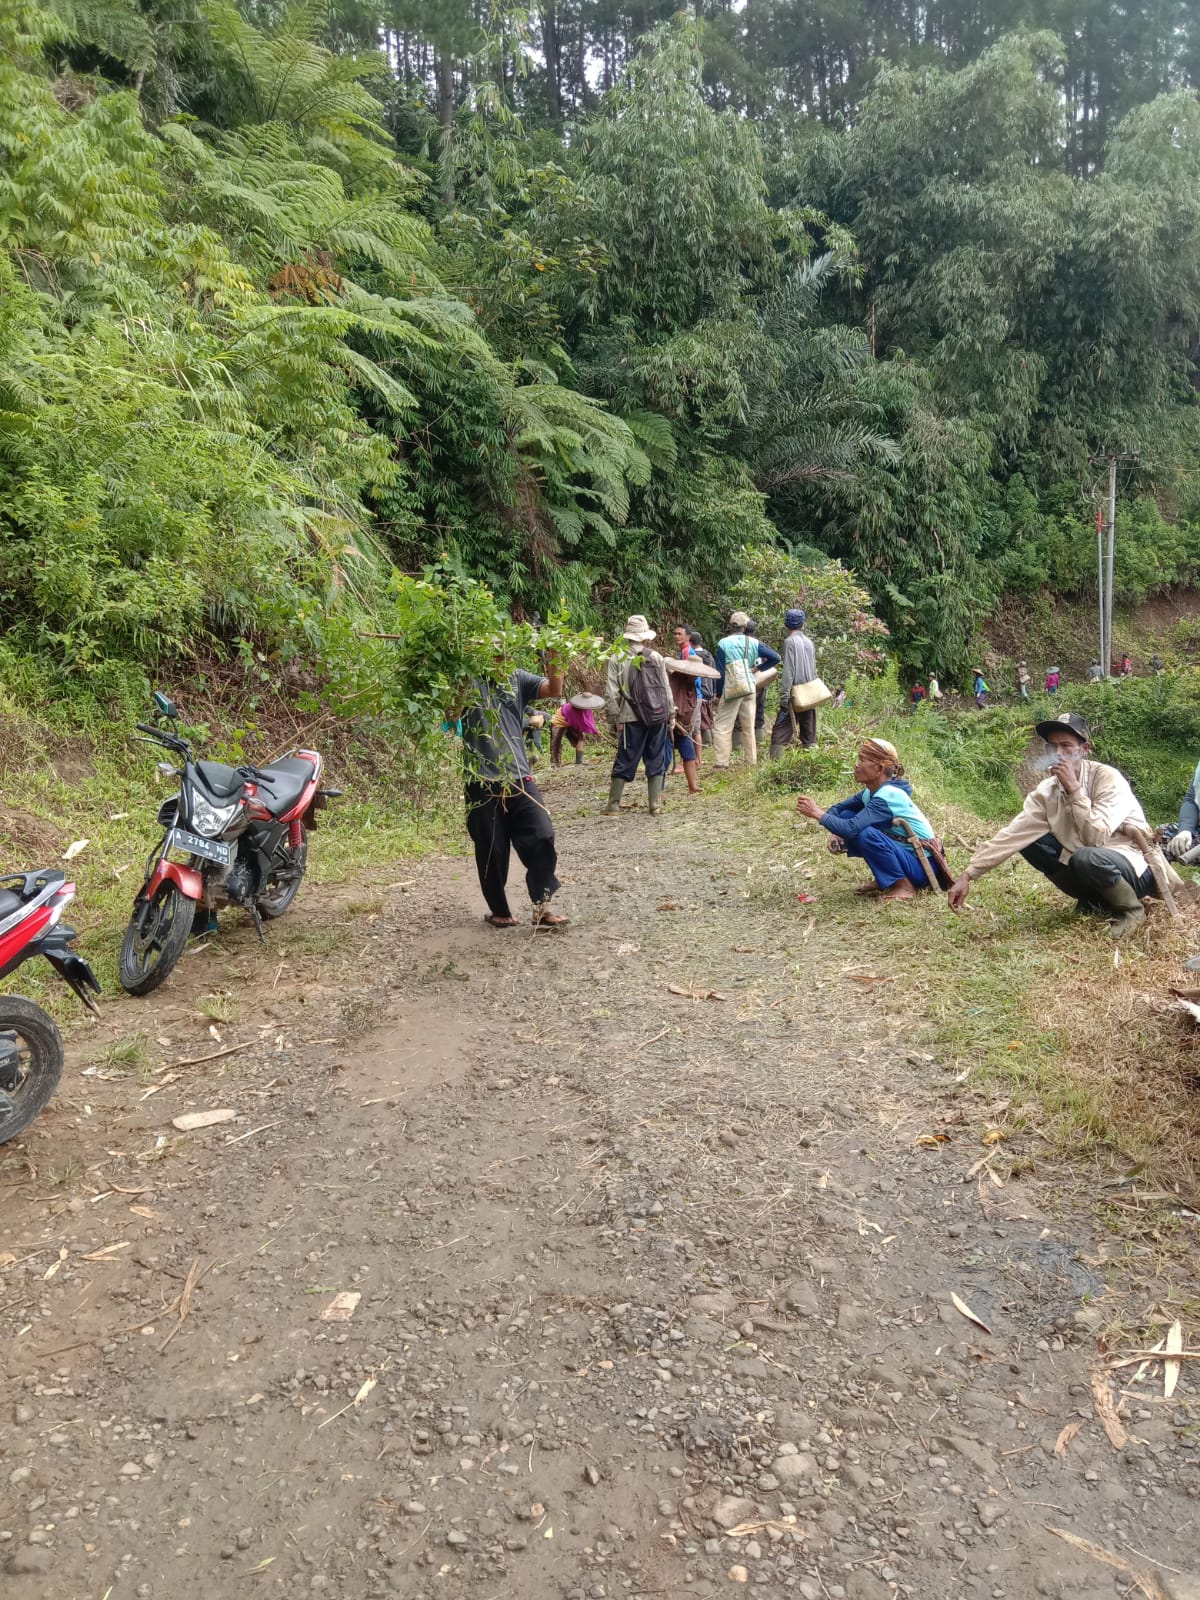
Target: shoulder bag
808 696
739 673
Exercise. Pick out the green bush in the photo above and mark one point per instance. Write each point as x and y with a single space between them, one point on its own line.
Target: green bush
849 637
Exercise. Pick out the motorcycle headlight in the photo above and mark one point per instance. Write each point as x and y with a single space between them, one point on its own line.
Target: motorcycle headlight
211 821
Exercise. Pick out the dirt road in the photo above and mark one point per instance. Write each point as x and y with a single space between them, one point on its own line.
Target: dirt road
654 1292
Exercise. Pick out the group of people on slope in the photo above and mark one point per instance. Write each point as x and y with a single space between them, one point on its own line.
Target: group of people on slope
660 709
1081 827
920 693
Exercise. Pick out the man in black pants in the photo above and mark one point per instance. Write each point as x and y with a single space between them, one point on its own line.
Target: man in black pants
505 809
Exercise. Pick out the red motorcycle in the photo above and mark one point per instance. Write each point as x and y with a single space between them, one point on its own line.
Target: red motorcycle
243 832
31 1047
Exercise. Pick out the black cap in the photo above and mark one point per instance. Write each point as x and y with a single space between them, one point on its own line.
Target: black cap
1070 720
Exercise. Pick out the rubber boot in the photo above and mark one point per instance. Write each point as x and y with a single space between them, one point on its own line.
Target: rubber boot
655 787
615 790
579 758
1126 908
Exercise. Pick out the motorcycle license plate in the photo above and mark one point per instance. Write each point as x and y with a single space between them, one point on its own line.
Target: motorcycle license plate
209 849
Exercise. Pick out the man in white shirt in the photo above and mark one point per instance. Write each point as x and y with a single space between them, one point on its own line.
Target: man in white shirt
1081 827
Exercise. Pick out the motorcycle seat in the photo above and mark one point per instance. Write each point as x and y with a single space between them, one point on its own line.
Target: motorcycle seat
288 779
9 902
221 782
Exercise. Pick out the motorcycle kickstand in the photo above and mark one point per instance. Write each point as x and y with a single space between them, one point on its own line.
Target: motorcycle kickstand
258 927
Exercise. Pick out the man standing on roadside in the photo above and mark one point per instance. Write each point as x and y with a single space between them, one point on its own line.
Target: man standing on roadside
1082 827
738 657
639 705
505 809
799 666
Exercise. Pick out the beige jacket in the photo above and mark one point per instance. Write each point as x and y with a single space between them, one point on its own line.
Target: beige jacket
1104 811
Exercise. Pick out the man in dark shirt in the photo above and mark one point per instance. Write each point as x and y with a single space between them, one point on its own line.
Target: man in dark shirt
505 809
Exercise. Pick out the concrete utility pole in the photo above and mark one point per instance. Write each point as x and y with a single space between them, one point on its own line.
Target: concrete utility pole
1104 556
1103 656
1108 564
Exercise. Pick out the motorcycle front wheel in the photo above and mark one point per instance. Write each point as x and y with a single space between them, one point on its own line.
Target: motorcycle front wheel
31 1063
155 939
291 865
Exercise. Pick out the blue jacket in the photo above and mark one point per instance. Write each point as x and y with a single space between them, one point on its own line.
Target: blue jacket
883 810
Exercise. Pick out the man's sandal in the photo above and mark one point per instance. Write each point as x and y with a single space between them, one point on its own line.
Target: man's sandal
543 917
494 921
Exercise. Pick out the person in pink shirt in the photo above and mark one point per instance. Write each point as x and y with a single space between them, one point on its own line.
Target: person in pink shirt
574 723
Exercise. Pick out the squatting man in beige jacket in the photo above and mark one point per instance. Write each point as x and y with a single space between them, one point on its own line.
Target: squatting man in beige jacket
1079 827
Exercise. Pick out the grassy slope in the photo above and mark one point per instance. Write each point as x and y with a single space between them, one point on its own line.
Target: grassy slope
1040 630
1019 992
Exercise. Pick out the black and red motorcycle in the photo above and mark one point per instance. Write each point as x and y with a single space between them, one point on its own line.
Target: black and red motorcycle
31 1047
243 833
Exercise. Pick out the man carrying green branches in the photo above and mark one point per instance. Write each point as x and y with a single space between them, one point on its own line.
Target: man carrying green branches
505 809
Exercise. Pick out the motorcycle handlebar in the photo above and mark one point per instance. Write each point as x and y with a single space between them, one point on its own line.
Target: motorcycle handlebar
170 741
258 776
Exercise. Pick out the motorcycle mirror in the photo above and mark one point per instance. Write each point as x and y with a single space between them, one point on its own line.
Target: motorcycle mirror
165 767
166 706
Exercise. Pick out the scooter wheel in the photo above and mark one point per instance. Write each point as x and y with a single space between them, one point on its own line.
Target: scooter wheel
155 939
31 1048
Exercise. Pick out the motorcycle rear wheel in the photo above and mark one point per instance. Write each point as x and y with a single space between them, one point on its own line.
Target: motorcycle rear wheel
149 952
277 897
25 1028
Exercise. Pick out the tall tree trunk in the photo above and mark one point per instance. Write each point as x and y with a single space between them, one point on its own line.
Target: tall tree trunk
550 49
445 86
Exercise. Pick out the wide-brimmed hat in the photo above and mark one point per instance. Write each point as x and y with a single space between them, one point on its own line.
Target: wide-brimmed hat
1071 720
638 630
587 702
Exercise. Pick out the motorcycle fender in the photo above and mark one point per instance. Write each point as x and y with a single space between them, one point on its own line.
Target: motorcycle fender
75 972
319 802
188 880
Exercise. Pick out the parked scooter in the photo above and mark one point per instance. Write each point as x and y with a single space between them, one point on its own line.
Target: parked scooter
31 1047
243 832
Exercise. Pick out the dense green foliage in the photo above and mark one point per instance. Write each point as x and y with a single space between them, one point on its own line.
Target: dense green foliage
849 638
584 303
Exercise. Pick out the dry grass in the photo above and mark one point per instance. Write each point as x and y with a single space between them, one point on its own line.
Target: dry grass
1136 1054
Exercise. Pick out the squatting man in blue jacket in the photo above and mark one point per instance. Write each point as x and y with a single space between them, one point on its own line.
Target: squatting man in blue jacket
870 825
